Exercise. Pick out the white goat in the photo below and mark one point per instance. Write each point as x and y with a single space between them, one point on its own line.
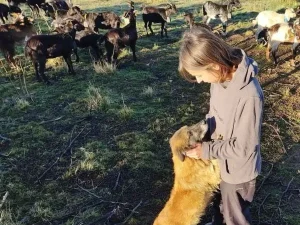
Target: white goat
266 19
286 33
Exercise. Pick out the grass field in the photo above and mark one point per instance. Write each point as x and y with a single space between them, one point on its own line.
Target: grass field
92 149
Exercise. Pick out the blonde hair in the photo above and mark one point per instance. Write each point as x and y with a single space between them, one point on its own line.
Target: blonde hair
200 47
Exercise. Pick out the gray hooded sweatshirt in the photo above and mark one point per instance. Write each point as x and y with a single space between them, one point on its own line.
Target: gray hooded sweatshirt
234 119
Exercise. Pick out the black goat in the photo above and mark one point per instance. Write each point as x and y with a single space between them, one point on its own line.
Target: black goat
61 16
33 4
85 39
5 10
12 33
51 7
103 20
119 38
42 47
160 15
213 10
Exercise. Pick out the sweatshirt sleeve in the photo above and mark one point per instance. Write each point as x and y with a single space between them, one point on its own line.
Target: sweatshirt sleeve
245 135
209 120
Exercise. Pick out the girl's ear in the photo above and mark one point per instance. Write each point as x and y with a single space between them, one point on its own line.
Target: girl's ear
215 66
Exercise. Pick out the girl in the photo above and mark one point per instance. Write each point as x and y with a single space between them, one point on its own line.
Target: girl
234 118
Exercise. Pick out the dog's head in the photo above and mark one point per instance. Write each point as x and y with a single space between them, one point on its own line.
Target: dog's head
187 137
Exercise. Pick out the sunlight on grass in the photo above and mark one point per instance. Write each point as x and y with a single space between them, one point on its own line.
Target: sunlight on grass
42 210
22 104
6 218
155 46
125 112
56 63
96 100
148 92
105 68
93 157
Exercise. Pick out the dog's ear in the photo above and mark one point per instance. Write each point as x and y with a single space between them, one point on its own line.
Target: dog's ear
178 142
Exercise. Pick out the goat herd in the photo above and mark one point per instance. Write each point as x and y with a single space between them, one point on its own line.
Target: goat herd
73 28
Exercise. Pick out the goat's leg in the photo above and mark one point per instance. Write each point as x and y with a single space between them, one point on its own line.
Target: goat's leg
109 51
146 24
69 63
115 55
41 69
75 51
6 16
150 28
36 68
274 48
1 17
98 52
224 25
205 18
164 28
12 61
208 20
132 46
258 30
294 50
268 49
9 54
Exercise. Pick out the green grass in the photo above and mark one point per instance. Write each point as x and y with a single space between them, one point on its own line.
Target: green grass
92 147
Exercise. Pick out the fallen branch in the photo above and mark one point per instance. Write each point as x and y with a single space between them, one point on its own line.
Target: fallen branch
53 120
4 138
291 123
265 178
130 215
117 181
4 199
260 206
97 196
64 152
278 135
285 191
107 216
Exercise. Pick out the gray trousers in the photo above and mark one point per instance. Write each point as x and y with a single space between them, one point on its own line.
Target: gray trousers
232 204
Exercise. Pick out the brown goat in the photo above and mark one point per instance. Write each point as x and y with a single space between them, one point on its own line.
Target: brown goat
189 19
283 33
160 15
103 20
12 33
42 47
117 39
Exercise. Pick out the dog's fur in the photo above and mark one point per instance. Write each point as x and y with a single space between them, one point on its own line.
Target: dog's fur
194 183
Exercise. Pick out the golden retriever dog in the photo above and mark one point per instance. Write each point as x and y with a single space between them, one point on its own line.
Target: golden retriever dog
195 180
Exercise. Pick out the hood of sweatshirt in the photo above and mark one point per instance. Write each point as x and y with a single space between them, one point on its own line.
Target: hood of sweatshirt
246 70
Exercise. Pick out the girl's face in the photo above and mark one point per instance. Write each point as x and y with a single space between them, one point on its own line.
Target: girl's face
208 74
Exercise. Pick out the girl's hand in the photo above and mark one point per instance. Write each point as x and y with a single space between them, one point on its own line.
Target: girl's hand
195 152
